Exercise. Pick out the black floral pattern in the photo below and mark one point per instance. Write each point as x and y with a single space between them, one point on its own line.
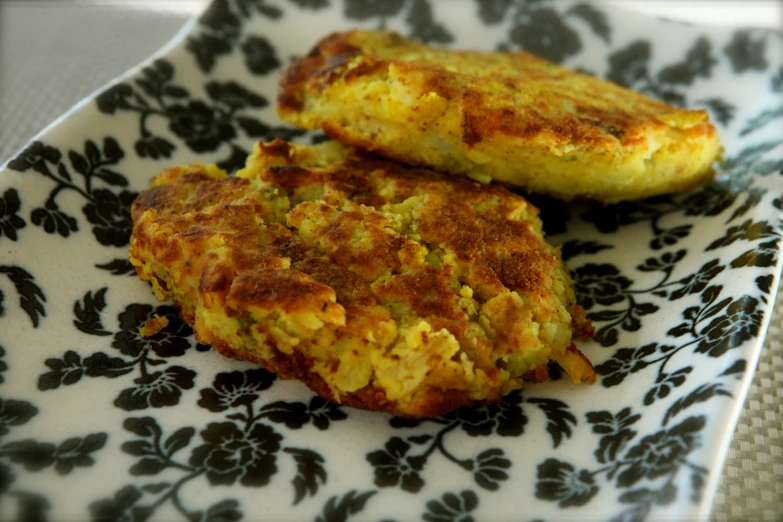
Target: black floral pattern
3 367
239 450
561 482
712 328
741 321
108 211
169 342
417 14
10 221
18 455
110 215
542 29
394 467
230 454
31 297
660 454
151 389
199 126
157 389
203 125
704 283
604 285
747 50
732 184
401 461
339 508
629 67
600 285
235 389
220 32
452 507
624 362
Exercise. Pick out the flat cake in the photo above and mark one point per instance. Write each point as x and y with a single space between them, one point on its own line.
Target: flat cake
506 116
379 285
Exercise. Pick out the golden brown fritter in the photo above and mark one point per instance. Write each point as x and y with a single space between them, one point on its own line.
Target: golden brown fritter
510 117
381 286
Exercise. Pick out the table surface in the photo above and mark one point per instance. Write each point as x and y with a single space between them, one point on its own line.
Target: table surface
72 48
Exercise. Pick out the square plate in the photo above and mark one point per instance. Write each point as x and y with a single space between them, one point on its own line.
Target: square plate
679 288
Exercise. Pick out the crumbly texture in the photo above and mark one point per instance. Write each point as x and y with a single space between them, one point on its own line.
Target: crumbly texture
508 116
382 286
153 326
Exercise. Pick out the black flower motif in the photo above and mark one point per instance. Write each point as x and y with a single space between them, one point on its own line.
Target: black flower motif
695 283
629 65
709 200
14 413
199 125
35 157
490 468
493 12
311 4
323 413
260 55
764 255
296 414
3 365
599 284
665 383
153 147
234 96
624 362
76 452
665 263
544 34
366 9
110 216
698 62
424 28
505 418
221 29
118 508
615 432
393 467
748 230
10 221
746 52
114 98
155 76
740 322
34 455
234 389
66 371
156 390
169 342
6 478
231 454
219 17
52 219
452 508
662 452
560 482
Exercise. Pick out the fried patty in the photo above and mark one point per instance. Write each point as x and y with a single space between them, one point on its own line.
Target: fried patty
510 117
379 285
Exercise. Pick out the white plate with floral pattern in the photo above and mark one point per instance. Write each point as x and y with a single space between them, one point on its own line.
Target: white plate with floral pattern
97 423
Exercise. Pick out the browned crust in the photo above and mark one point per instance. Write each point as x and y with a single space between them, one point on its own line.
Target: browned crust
298 367
330 55
594 116
192 212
